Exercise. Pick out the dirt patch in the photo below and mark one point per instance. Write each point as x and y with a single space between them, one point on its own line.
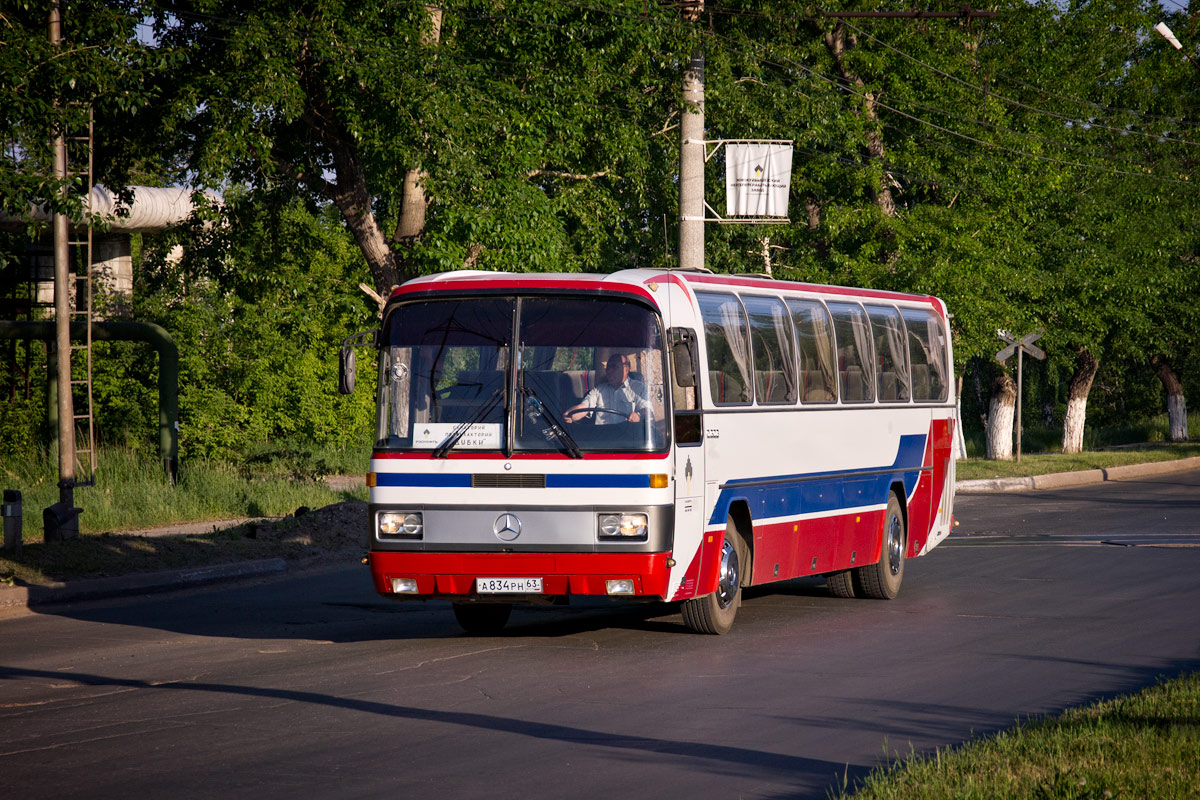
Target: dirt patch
330 528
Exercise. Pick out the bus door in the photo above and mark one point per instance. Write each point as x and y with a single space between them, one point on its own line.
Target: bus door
688 442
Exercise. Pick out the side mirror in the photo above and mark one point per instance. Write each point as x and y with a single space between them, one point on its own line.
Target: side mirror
347 370
347 363
683 357
684 376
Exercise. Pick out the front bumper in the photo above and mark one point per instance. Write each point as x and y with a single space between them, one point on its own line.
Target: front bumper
453 575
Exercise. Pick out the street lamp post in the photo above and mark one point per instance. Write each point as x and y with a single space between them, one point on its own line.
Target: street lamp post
1170 37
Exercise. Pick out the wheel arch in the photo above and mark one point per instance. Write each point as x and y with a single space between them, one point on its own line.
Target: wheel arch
743 524
897 488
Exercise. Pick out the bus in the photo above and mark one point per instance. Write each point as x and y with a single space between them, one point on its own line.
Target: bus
660 435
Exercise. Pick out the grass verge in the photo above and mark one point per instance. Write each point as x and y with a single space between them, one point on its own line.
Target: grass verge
1145 745
132 494
1045 463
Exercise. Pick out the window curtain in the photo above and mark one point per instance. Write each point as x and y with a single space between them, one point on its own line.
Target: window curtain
733 325
787 346
862 340
826 351
937 354
893 328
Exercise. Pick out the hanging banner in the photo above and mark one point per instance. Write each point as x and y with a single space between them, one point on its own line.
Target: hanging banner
757 178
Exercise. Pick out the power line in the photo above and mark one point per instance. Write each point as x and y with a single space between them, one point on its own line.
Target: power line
1015 103
845 87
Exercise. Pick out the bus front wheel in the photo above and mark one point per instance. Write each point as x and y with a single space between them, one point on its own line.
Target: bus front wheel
482 619
882 581
714 613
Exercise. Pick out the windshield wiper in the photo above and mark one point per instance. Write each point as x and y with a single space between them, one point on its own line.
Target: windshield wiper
448 444
567 439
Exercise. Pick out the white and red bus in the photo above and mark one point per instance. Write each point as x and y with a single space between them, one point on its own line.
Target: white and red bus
746 430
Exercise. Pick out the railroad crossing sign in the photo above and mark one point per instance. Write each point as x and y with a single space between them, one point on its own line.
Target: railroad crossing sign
1024 344
1020 346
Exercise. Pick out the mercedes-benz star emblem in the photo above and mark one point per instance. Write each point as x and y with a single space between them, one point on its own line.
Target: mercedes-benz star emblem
507 527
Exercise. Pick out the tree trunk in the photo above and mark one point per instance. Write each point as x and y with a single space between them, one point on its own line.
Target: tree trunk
1176 407
350 193
1077 395
835 42
1001 417
352 199
413 202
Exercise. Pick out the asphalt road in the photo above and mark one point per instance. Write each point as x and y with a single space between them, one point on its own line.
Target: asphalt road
312 686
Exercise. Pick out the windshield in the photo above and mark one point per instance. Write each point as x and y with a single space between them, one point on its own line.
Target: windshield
586 375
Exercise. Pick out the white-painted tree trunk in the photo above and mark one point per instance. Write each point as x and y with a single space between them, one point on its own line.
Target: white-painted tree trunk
1177 418
1072 440
1176 407
1086 367
1001 415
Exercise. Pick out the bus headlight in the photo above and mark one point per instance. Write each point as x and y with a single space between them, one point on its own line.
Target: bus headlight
399 523
621 526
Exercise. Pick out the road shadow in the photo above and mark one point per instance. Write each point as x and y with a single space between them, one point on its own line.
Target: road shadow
808 775
340 605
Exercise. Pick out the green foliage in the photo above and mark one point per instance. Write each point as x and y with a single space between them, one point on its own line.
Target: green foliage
47 89
1039 163
259 307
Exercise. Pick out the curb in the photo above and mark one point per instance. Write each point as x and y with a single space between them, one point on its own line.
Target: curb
1061 480
96 588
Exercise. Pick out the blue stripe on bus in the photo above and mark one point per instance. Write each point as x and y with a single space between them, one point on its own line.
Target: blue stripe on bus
463 481
597 481
458 481
824 492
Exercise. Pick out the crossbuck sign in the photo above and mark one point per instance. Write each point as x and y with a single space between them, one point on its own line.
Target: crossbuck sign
1024 344
1019 346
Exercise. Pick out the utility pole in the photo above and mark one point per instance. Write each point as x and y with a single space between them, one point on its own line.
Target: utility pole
64 515
691 157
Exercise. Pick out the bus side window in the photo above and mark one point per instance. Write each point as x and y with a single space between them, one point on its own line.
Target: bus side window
891 354
853 333
818 357
927 354
727 339
774 350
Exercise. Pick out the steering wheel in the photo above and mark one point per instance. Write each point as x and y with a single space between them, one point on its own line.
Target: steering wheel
591 413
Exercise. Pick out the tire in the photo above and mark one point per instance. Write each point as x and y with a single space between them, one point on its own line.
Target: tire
482 619
714 613
882 581
841 584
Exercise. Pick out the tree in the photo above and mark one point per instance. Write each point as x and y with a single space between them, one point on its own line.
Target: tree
100 67
518 130
258 306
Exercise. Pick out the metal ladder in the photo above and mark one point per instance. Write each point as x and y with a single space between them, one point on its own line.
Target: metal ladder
79 248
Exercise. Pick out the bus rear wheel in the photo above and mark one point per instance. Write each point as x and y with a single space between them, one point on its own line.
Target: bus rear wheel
714 613
482 619
841 584
881 581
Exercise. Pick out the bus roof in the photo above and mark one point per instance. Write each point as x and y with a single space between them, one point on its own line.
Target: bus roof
633 281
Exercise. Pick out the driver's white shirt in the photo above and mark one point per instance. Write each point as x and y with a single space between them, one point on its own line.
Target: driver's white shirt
625 398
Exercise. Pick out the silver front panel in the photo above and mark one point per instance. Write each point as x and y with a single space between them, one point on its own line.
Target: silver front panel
535 529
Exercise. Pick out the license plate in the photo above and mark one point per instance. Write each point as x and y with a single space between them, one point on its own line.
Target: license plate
508 585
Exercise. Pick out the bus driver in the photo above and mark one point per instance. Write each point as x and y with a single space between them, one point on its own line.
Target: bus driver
619 399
